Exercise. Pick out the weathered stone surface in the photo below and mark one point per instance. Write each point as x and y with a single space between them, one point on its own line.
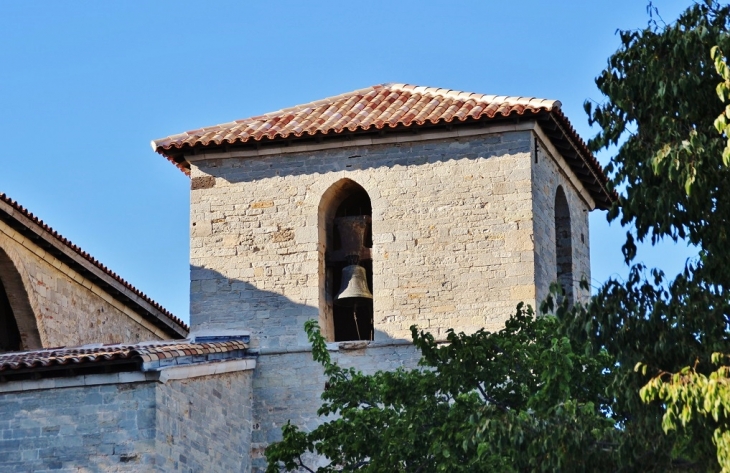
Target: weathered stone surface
97 428
462 232
204 424
189 425
546 177
68 308
287 386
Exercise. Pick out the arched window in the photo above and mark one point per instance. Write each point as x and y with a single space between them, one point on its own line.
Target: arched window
345 215
18 325
563 244
9 333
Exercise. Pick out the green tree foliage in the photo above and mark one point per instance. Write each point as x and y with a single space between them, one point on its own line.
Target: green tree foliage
690 393
521 399
671 169
637 380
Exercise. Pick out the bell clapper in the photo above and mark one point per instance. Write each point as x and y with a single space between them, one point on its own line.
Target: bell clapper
354 316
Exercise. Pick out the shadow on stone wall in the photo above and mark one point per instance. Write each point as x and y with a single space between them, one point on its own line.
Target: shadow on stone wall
274 320
369 157
287 382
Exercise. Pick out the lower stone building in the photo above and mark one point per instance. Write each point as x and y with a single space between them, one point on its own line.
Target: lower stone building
370 211
181 405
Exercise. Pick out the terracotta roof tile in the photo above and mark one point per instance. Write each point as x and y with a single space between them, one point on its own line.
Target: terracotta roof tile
382 107
379 106
182 328
60 357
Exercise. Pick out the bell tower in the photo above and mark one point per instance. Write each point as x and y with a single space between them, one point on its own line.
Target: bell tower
373 211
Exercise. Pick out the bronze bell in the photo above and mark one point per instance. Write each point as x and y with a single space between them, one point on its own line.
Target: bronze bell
354 288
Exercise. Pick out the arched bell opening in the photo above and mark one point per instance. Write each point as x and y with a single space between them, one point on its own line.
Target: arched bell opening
18 325
346 215
563 244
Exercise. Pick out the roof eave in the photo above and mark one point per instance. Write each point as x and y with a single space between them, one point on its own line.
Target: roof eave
561 130
580 158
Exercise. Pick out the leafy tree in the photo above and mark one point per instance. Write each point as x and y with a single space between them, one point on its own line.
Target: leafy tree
672 169
690 393
490 401
523 398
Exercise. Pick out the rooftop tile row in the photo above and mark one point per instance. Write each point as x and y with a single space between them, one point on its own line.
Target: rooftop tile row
390 106
144 353
385 105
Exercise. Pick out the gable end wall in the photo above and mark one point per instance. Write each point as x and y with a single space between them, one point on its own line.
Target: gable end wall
71 310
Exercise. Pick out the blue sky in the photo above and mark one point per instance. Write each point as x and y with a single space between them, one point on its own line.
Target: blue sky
85 86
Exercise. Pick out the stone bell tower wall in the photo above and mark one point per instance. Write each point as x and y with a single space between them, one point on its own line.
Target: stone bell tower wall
452 221
549 172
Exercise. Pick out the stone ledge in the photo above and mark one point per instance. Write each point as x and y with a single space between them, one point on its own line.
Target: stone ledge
403 137
161 375
336 346
83 380
206 369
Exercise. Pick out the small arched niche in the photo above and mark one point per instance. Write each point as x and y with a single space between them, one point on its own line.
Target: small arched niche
563 244
18 325
345 211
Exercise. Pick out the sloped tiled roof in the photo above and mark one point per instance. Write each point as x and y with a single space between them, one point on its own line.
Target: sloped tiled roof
28 224
390 106
380 106
61 357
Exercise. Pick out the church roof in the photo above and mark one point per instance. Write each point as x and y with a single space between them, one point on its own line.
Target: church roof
380 106
46 238
387 107
139 353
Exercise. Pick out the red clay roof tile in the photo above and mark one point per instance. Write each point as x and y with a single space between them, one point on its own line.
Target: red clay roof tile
145 352
378 106
385 106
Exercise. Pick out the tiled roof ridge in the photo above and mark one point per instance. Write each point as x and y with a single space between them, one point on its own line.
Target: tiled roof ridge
68 243
92 347
401 87
382 106
518 105
145 352
548 104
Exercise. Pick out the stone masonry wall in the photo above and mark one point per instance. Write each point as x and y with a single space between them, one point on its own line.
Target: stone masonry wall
204 424
107 428
69 309
452 235
547 175
287 386
190 425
